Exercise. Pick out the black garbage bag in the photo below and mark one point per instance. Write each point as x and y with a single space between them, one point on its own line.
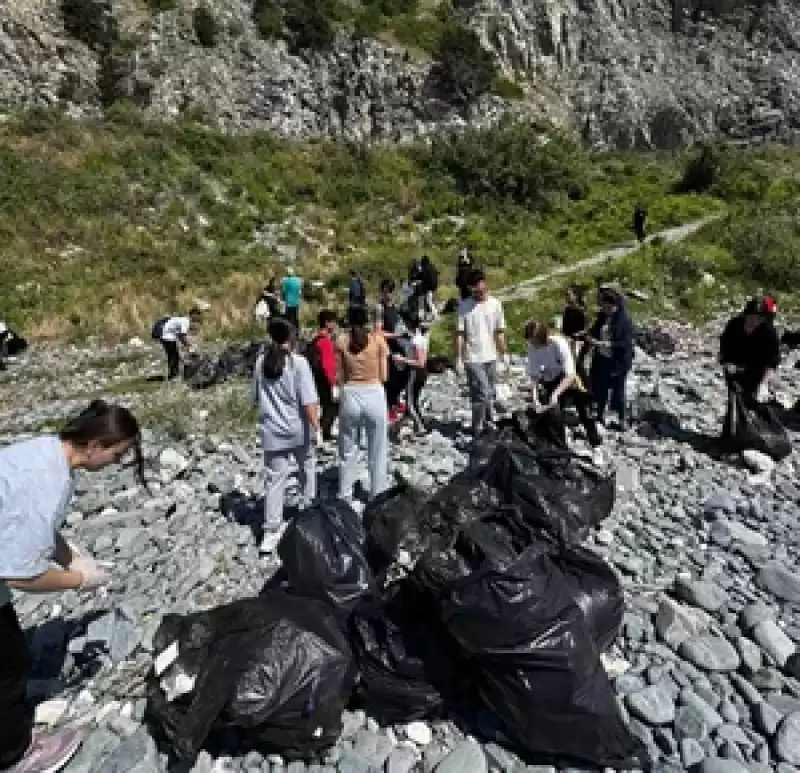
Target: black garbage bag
655 341
275 668
410 667
201 372
536 666
753 427
555 490
323 555
239 360
596 589
402 521
15 343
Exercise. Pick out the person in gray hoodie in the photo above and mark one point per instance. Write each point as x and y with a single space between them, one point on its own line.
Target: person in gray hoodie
288 409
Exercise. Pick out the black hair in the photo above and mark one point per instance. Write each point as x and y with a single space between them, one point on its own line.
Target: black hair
579 292
108 425
358 318
475 276
280 331
325 316
610 296
387 285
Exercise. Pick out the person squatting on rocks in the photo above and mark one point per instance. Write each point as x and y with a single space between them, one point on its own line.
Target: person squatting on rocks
414 361
174 332
750 351
639 220
288 414
37 487
292 292
554 380
611 339
480 343
322 359
363 359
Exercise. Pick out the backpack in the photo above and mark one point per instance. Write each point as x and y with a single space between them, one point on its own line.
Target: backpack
310 351
158 328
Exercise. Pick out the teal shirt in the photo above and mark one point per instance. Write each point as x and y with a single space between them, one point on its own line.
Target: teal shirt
292 288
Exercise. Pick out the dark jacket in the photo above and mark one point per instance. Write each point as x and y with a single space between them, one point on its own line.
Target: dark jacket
463 275
621 331
357 296
573 321
756 353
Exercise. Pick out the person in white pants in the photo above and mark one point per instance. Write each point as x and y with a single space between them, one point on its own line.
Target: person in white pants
289 418
362 371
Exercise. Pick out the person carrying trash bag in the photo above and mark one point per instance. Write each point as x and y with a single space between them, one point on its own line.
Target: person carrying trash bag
288 407
173 332
36 479
750 357
750 352
554 379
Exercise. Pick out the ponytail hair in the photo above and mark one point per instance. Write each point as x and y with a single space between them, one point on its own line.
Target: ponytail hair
107 425
358 318
280 331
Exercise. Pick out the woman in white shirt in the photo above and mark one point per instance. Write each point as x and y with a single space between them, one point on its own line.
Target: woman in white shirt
415 361
555 382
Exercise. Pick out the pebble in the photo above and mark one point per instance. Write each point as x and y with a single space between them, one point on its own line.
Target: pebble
653 705
787 739
466 757
710 653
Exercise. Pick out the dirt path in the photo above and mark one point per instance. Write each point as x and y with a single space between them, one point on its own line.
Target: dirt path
527 289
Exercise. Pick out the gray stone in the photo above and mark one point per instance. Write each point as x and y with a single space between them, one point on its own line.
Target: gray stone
401 760
753 614
691 752
350 762
721 501
740 533
766 719
374 748
96 745
717 765
136 754
675 623
750 654
466 757
705 595
499 757
653 705
116 633
787 739
774 641
711 653
780 581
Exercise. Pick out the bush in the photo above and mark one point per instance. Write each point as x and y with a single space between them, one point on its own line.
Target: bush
310 24
269 21
205 26
466 69
514 162
90 21
725 172
506 88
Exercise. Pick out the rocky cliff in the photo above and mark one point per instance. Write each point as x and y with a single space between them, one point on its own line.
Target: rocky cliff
623 73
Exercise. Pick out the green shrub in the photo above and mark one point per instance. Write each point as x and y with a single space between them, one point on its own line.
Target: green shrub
513 162
506 88
269 21
310 24
724 171
205 26
90 21
466 69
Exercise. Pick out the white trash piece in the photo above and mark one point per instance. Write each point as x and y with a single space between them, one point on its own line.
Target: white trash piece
165 659
627 478
503 393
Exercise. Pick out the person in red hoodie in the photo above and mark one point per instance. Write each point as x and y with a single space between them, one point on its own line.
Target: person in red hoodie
322 359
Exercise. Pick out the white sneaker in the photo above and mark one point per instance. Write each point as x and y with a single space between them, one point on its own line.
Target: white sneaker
49 753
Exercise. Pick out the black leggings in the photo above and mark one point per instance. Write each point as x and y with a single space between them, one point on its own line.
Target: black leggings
416 381
16 719
328 408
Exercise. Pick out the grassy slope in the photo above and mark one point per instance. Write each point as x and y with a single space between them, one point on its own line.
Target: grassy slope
105 226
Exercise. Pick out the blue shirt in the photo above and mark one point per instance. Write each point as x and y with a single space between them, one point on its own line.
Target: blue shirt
292 288
35 491
280 404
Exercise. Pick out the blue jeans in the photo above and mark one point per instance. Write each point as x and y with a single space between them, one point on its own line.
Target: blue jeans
608 379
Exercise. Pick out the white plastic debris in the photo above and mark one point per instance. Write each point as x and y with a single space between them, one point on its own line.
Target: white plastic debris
166 659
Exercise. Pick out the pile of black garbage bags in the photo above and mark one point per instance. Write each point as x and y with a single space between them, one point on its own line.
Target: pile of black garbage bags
476 602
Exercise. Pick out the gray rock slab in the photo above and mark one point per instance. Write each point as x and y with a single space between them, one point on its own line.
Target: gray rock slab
466 757
654 705
710 653
774 641
780 581
787 739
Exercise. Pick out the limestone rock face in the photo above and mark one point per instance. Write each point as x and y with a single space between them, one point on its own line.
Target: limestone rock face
622 73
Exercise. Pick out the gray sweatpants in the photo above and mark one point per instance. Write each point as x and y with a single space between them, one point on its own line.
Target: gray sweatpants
363 406
276 477
481 378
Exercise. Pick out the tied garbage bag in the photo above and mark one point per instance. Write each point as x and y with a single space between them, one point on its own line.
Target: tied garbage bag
554 490
754 427
276 668
535 663
239 360
409 665
322 552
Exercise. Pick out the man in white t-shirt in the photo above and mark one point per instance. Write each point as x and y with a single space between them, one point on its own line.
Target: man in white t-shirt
173 332
480 342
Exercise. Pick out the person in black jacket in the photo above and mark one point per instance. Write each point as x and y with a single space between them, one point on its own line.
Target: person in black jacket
463 274
611 338
750 350
639 218
574 320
